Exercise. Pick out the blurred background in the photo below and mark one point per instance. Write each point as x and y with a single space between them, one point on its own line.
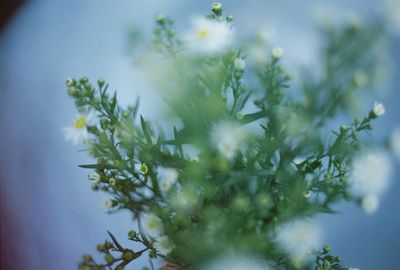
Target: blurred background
49 215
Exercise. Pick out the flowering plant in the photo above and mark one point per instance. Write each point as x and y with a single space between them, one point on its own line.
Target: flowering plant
234 183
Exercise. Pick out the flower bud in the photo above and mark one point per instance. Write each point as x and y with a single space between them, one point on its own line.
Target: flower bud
101 82
108 245
109 258
229 18
87 258
377 110
127 256
84 80
132 234
326 249
100 247
216 7
71 92
343 128
327 265
70 82
160 18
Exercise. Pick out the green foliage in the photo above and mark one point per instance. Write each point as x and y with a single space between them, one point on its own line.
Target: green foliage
222 201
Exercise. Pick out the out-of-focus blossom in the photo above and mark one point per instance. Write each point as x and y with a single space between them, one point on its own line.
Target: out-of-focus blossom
94 176
108 204
239 64
78 132
378 109
207 36
163 245
168 177
277 52
298 239
393 10
237 263
370 173
151 224
370 204
360 78
184 200
226 137
395 142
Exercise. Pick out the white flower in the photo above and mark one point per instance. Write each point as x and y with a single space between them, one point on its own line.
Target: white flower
237 262
370 173
277 52
395 142
184 200
108 204
298 239
168 177
163 245
151 224
239 64
94 176
226 137
77 132
370 204
378 109
208 36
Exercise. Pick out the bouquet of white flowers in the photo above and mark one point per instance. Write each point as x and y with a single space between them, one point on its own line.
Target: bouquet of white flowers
246 165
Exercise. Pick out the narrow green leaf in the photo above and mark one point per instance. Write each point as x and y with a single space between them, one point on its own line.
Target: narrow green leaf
118 245
146 131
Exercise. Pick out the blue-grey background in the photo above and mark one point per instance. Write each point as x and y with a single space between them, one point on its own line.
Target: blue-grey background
55 217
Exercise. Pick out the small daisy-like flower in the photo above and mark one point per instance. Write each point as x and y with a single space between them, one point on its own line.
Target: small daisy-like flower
208 36
152 224
163 245
141 167
378 109
395 142
298 239
370 173
239 64
277 52
226 137
78 131
168 177
370 204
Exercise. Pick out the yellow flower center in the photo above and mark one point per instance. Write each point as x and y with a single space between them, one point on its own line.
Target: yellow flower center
153 224
80 122
203 33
